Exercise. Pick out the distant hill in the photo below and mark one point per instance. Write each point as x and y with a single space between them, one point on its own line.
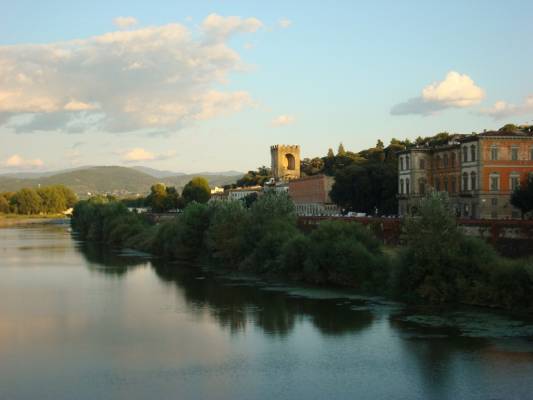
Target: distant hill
157 173
121 181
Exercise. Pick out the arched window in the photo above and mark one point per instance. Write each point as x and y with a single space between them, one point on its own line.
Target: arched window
437 184
454 184
445 160
422 186
473 153
465 154
407 185
465 181
473 182
401 186
291 162
453 159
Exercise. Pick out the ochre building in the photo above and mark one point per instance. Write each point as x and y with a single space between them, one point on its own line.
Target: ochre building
479 172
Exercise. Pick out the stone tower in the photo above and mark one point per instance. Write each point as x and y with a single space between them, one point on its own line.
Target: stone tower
285 162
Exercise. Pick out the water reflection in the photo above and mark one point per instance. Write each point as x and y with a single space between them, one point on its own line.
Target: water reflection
236 304
108 261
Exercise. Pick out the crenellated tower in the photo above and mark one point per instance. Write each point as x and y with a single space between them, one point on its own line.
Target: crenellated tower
285 162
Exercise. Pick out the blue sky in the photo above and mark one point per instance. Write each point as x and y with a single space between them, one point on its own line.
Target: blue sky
188 87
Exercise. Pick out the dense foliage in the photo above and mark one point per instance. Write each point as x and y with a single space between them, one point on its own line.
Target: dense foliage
437 265
254 178
46 200
163 198
442 265
197 189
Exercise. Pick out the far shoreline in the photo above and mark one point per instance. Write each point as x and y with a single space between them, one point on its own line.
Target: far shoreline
7 220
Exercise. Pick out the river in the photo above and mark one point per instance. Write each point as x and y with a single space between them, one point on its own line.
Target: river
78 321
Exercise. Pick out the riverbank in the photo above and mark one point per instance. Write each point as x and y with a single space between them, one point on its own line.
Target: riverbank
16 219
437 265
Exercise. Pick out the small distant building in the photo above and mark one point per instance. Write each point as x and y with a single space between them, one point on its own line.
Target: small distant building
218 197
241 193
311 195
217 190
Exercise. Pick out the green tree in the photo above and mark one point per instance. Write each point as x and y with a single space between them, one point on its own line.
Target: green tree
341 152
522 197
4 205
197 190
366 187
157 199
254 178
27 201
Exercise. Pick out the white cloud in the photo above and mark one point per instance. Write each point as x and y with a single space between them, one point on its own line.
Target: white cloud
502 109
283 120
220 28
155 78
125 22
139 154
17 162
455 91
284 23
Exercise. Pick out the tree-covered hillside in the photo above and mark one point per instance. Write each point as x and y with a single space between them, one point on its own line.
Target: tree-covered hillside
113 180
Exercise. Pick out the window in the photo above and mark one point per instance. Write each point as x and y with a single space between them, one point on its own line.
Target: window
465 154
437 184
401 186
473 181
401 163
407 186
473 153
531 154
494 153
465 181
437 162
445 160
407 162
494 202
422 163
453 159
515 181
445 183
454 184
514 153
422 186
494 182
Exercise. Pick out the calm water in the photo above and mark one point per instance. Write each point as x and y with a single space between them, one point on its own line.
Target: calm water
77 322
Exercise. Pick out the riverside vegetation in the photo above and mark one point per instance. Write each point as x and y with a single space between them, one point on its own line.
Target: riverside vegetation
438 264
43 201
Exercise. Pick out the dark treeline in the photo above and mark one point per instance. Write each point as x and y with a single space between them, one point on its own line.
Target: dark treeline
46 200
438 265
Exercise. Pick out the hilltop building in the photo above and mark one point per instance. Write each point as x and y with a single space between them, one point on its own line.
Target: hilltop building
285 162
479 173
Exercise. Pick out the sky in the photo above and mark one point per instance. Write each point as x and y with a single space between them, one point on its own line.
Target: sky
194 86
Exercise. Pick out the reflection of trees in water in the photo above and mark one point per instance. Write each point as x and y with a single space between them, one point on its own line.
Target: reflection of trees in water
434 350
103 259
235 305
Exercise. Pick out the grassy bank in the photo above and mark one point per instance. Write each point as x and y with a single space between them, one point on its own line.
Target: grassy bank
17 219
438 265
